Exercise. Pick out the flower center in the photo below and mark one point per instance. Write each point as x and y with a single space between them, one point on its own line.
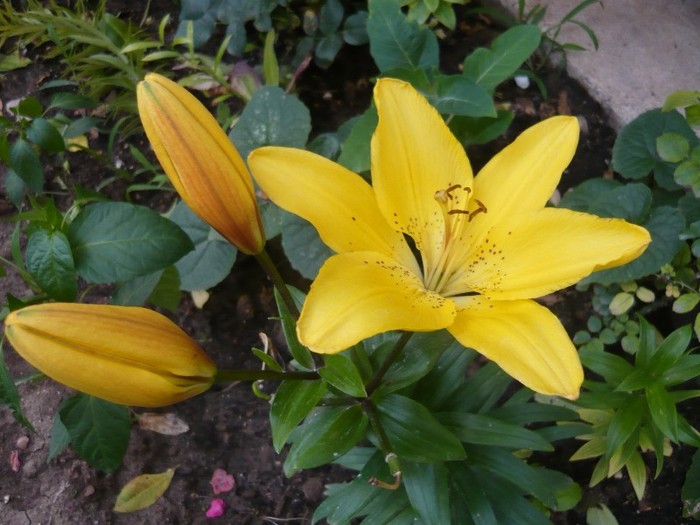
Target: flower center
458 211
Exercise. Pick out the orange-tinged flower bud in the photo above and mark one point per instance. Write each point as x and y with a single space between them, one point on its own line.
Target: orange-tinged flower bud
201 162
126 355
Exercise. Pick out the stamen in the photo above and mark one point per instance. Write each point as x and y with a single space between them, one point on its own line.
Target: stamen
480 209
442 196
451 189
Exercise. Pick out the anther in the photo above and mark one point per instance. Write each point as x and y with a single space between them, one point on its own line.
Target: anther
477 211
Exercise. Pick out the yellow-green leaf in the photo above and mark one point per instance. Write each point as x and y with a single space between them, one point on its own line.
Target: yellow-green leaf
143 491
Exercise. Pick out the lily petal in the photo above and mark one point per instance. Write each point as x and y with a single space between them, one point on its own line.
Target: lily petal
361 294
538 253
414 155
523 176
339 203
525 339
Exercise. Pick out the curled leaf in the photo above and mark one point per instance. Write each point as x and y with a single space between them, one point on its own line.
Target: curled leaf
143 491
168 424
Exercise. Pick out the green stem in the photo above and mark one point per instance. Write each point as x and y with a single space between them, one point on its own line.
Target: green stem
390 457
393 355
227 376
274 275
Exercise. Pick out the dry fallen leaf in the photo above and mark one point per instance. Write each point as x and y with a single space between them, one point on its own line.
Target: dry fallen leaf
168 424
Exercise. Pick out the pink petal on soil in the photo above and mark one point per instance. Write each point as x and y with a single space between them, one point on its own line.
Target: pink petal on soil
221 481
14 461
216 508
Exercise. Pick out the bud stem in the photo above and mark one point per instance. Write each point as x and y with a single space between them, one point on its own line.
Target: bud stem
271 270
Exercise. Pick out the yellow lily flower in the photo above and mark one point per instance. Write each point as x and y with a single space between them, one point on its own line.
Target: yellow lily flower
201 162
487 244
126 355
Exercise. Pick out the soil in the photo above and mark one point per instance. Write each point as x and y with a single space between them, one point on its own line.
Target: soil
228 426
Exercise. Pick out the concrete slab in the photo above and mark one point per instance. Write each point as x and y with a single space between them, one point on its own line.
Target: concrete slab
647 49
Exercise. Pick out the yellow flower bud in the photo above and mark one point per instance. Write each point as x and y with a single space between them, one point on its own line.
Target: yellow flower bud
201 162
126 355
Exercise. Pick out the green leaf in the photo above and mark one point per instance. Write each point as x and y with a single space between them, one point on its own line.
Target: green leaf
117 241
300 353
621 303
427 490
212 258
355 29
274 118
30 107
9 396
340 372
634 152
417 359
670 350
681 98
600 515
663 410
480 392
445 378
396 42
623 424
471 506
60 438
457 95
355 152
326 50
50 261
326 434
166 293
290 405
25 163
303 247
637 471
485 430
71 101
45 135
414 434
136 291
672 147
488 68
472 130
99 430
330 16
690 493
143 491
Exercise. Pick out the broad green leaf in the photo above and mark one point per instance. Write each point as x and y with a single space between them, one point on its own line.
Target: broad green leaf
355 152
60 438
480 130
25 163
413 432
480 392
340 372
427 490
355 29
484 430
99 430
303 247
326 50
300 353
457 95
631 202
136 291
488 68
325 435
117 241
50 261
621 303
9 396
612 367
290 405
166 293
212 258
271 118
681 98
396 42
45 135
71 101
634 152
330 16
30 107
445 378
143 491
690 493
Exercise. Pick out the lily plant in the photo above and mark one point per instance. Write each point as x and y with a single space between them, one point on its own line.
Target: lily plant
430 246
